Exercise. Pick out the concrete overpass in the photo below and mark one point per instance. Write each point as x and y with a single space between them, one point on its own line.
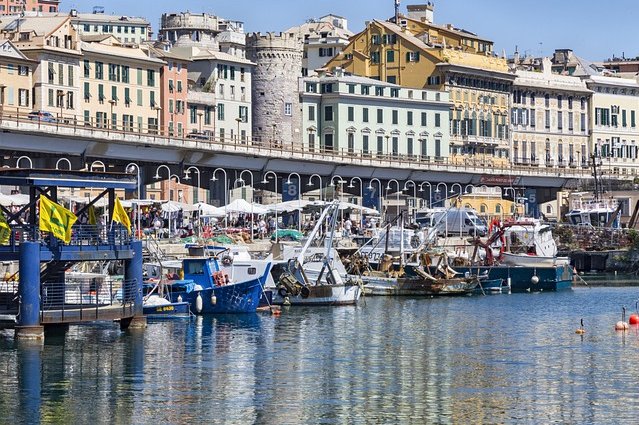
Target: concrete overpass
46 143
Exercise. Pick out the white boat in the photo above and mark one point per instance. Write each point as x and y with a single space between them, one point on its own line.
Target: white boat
312 275
587 210
530 243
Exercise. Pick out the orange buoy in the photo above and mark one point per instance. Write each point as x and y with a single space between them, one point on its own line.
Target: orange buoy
581 329
633 319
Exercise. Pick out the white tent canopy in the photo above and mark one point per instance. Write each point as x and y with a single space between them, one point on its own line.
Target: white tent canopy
241 206
17 199
129 203
288 206
172 206
209 210
355 207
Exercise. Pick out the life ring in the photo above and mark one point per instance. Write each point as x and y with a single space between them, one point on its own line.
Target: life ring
227 260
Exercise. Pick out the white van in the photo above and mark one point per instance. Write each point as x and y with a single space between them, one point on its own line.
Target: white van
453 221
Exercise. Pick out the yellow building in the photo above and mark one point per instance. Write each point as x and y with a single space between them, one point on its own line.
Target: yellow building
489 203
16 72
120 86
52 42
419 54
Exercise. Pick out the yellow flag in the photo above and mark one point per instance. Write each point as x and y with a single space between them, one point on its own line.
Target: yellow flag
56 219
5 230
92 220
120 216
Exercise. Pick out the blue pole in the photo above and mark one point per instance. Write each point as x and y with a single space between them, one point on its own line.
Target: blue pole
133 271
29 381
29 292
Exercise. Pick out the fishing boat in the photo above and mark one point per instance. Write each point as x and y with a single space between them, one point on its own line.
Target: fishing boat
313 274
219 284
158 307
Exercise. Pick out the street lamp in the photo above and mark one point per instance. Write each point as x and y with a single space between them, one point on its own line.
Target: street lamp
437 191
430 193
214 108
199 115
57 163
114 123
24 157
170 176
379 192
61 103
299 197
414 197
310 183
341 182
265 181
452 190
129 169
387 145
388 187
361 199
157 119
273 140
226 184
241 180
238 120
99 164
187 177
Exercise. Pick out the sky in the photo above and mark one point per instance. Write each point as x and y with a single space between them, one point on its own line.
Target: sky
595 30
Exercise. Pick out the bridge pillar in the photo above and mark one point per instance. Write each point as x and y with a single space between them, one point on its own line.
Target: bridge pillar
29 326
133 271
29 359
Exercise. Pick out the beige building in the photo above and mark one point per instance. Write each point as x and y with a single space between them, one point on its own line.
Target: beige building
53 43
127 29
549 119
120 86
614 131
16 72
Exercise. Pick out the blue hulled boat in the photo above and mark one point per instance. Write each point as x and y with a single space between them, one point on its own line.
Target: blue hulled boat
221 286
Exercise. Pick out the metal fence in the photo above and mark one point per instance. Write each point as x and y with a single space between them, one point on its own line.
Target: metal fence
81 235
87 299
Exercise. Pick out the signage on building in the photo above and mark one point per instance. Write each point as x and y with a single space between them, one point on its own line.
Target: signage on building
499 180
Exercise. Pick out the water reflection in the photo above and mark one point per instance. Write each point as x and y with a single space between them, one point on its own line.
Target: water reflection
501 359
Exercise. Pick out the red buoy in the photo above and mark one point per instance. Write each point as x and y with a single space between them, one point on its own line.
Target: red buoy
634 319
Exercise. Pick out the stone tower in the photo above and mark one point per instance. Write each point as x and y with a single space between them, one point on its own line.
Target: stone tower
277 117
187 29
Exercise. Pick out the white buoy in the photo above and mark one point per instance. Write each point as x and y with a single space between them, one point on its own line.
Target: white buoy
179 298
198 303
287 301
534 280
213 300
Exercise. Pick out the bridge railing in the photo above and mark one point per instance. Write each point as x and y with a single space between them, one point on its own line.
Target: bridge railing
271 146
83 299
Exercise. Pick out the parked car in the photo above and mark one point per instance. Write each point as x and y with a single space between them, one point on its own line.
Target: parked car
41 116
198 135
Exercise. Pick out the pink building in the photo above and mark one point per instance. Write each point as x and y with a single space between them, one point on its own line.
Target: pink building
173 90
10 7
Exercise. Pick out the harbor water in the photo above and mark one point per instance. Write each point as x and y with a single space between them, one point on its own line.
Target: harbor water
493 359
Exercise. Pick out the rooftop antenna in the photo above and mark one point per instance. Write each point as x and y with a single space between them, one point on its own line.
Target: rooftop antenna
397 12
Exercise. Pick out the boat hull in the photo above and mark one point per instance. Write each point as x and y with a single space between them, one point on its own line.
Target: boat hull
414 286
533 260
522 279
167 311
242 297
323 295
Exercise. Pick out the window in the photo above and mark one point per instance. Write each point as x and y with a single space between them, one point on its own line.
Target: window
311 113
152 99
114 93
409 118
624 122
560 101
433 80
193 114
351 114
365 115
99 70
409 146
351 88
570 121
424 119
140 97
326 88
87 68
437 120
412 57
583 122
207 115
365 149
394 92
351 143
150 78
547 119
220 113
125 74
101 96
328 113
23 97
395 116
633 122
87 91
374 57
560 121
380 116
547 101
390 56
379 91
325 52
288 109
243 113
380 145
365 90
